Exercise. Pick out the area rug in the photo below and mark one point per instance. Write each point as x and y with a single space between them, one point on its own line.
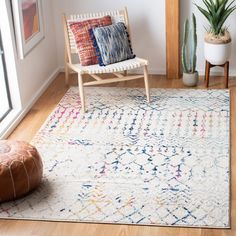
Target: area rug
129 162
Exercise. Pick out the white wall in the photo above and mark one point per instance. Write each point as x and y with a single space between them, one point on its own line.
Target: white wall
36 69
147 20
186 9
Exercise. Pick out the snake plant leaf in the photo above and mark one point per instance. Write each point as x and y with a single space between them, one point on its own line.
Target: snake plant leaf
183 51
217 12
204 12
230 5
188 52
224 18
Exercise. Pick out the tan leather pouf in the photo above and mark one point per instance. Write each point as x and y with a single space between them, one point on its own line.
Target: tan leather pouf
21 169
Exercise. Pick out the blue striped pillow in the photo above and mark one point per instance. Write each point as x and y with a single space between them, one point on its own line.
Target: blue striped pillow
112 43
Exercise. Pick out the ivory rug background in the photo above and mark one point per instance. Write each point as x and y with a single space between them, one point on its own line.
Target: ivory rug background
126 161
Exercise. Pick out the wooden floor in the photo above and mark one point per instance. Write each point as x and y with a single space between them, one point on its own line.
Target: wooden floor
35 118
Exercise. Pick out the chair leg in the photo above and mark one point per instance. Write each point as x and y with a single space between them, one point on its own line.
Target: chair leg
146 82
66 74
81 92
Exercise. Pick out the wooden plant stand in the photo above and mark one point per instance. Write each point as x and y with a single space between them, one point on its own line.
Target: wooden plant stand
226 73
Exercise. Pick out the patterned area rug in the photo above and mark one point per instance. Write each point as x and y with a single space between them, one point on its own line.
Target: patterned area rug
128 162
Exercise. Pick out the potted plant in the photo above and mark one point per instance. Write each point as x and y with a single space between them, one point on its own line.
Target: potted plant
188 55
217 46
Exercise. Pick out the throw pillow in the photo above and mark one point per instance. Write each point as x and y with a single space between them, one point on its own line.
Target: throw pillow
80 30
112 43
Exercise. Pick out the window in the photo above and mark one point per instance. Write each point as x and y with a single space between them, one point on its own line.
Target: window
5 101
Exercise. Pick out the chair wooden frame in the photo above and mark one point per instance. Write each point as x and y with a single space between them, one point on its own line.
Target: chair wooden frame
119 70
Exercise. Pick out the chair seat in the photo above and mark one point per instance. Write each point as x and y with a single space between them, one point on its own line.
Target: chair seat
119 70
112 68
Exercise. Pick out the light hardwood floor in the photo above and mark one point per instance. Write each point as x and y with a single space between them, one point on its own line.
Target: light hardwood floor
35 118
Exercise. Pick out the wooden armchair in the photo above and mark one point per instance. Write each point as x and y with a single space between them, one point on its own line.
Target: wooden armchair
119 70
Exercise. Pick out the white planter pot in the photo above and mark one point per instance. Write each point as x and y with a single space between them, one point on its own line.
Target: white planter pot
190 79
217 54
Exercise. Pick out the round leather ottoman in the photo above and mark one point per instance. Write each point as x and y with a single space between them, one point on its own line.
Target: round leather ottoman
21 169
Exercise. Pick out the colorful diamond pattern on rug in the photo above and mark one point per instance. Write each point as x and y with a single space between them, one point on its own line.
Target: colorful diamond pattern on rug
125 161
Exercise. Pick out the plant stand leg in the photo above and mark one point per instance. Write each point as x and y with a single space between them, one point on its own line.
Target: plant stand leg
226 73
226 68
207 73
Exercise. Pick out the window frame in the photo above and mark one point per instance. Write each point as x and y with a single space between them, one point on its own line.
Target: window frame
5 78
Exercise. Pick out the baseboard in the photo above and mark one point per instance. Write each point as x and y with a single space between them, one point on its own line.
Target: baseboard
218 72
214 72
152 71
19 115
